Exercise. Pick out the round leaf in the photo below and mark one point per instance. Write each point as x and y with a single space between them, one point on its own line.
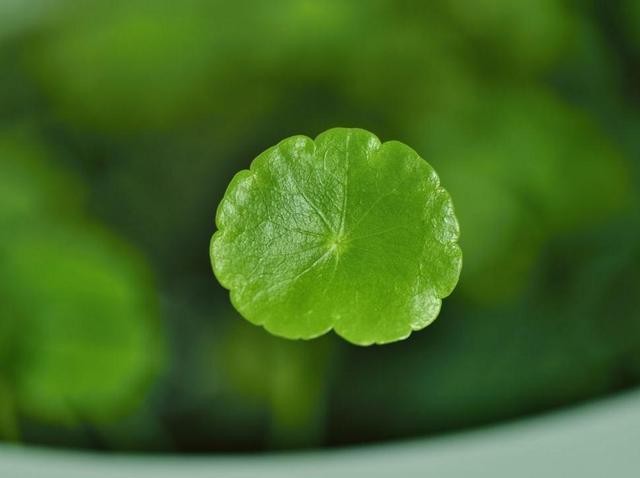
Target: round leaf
343 232
87 338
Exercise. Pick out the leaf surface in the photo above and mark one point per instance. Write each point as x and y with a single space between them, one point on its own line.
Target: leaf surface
344 233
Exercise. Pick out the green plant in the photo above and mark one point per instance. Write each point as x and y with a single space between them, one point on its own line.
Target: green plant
80 337
515 198
83 338
343 233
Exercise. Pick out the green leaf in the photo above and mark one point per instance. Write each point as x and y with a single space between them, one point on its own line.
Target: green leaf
506 158
79 329
342 233
87 341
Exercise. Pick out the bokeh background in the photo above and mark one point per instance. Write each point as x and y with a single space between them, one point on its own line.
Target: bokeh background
122 122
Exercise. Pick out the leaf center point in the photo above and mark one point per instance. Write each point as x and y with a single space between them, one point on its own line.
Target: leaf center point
337 243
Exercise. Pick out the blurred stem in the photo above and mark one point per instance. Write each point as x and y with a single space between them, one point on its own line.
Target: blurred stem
9 428
298 392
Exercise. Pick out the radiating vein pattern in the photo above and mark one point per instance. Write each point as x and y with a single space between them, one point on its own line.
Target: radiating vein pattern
342 232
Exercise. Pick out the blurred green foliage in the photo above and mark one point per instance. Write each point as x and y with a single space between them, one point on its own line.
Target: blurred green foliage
122 122
529 168
289 378
32 185
84 342
79 336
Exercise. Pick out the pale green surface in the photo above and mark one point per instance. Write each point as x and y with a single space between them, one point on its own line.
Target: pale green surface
344 233
19 15
594 441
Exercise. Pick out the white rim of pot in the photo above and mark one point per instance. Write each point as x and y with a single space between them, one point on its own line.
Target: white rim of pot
598 439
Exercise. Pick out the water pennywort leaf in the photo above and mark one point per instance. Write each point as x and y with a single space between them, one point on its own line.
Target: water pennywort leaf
343 233
83 323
